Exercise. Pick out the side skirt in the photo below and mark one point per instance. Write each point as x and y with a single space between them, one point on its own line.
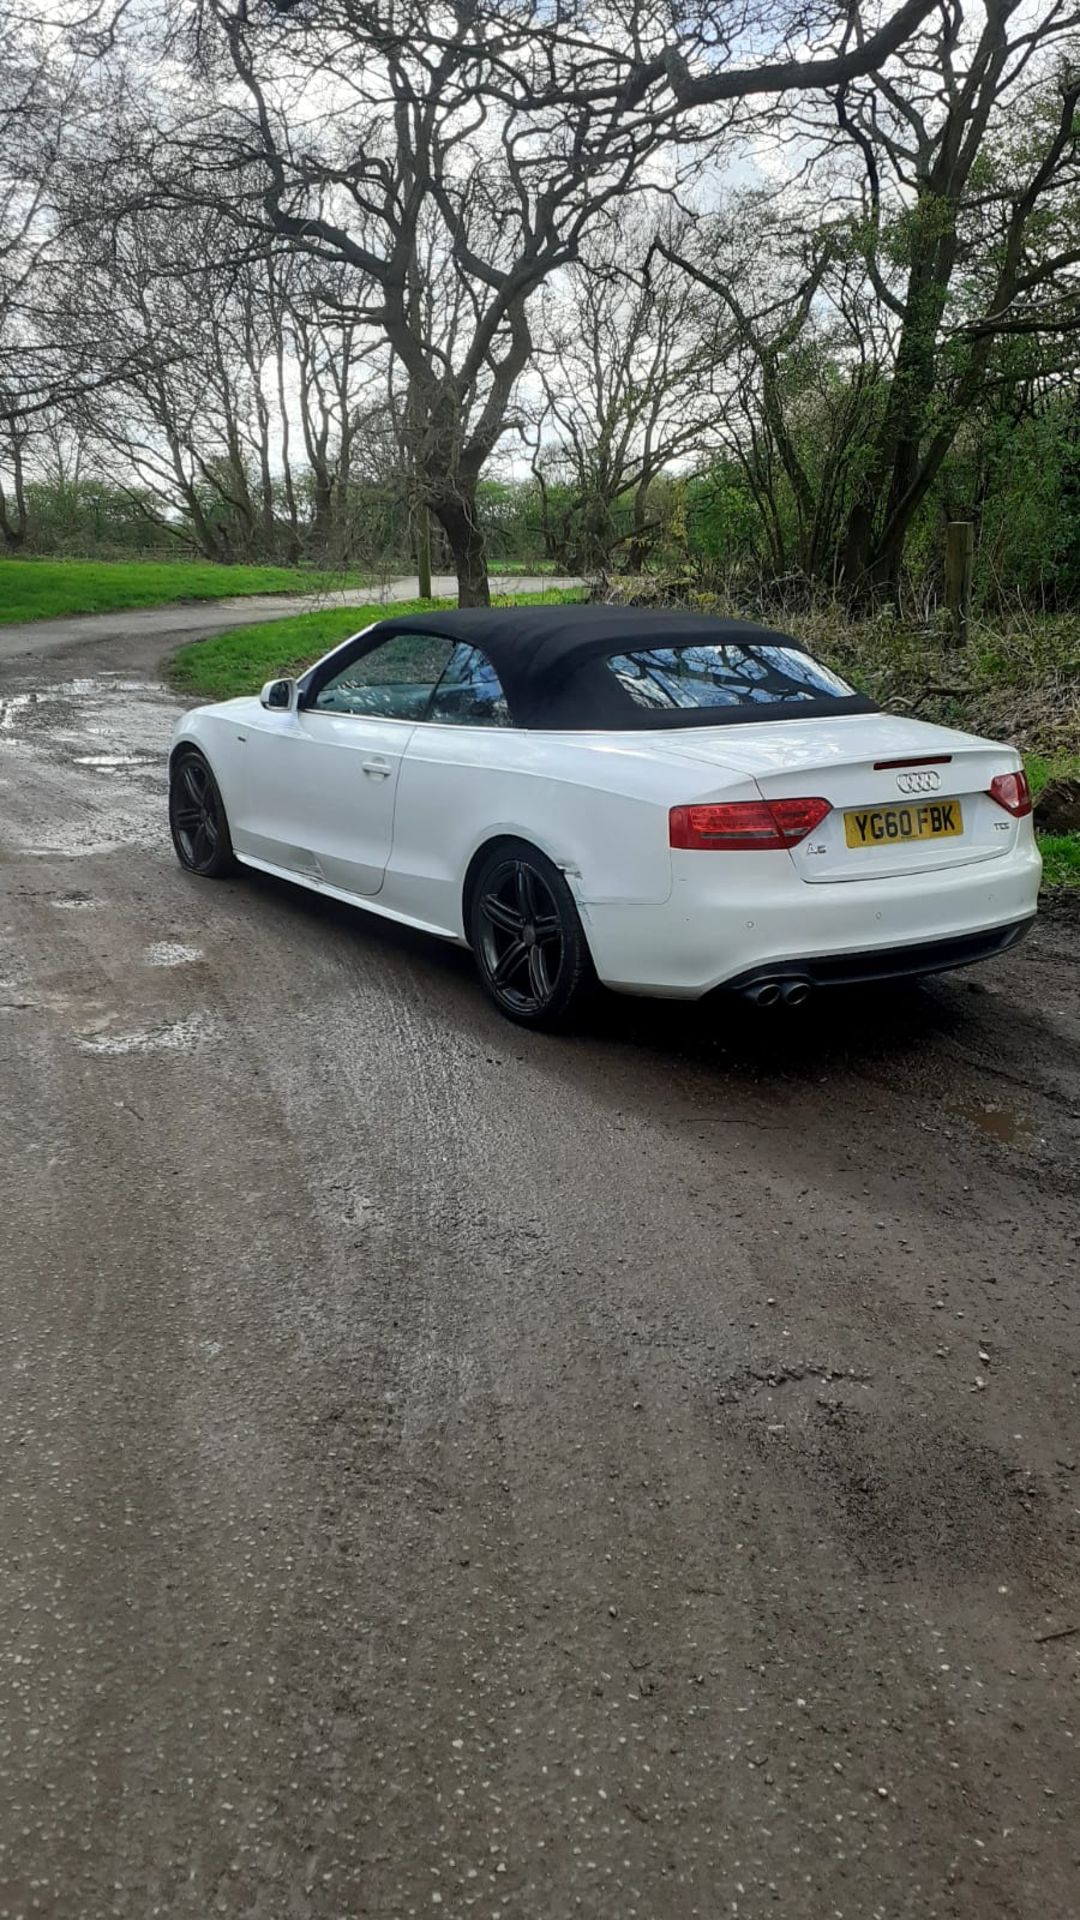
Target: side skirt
366 903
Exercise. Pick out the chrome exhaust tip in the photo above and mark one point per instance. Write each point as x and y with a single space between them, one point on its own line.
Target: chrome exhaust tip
796 992
765 994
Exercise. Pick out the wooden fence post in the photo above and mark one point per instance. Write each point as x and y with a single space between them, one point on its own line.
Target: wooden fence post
959 567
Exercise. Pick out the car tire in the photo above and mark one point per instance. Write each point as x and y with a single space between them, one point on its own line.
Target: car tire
527 938
197 818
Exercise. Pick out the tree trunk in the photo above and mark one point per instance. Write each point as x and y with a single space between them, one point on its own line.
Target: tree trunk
14 535
266 481
423 551
880 518
13 524
457 517
293 544
212 546
638 551
322 516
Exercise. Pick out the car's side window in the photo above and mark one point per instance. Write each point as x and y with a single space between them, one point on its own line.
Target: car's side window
392 682
470 693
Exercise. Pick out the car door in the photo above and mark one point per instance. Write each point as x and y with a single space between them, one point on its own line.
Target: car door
322 781
451 789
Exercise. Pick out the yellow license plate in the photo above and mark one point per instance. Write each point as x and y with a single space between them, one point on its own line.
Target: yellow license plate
885 826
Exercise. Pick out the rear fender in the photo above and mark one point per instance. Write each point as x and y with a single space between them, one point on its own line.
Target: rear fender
605 854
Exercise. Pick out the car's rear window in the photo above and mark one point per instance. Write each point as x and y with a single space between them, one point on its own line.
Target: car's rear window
666 678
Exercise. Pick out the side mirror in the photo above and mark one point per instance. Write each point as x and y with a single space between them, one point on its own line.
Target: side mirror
279 696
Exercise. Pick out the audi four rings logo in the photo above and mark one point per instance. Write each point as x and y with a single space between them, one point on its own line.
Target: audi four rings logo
918 782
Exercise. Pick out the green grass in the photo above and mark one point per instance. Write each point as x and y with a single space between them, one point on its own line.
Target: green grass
240 661
49 589
1044 767
1060 851
1061 859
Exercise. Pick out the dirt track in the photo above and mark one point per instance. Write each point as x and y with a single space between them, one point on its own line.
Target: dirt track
451 1470
139 630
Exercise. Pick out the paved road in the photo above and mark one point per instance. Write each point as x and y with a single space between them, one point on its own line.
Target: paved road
169 627
451 1470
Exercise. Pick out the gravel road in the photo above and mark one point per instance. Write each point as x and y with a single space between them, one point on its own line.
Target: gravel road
27 643
452 1470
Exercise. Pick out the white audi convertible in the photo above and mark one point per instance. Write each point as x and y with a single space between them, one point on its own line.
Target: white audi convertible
666 802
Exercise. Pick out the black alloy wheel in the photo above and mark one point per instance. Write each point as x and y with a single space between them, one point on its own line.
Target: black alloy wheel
200 831
528 938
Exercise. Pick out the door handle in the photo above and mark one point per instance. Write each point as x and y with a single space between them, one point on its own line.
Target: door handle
378 768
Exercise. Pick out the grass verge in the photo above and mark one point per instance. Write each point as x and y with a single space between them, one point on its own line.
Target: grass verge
239 661
1060 851
1061 859
1044 767
49 589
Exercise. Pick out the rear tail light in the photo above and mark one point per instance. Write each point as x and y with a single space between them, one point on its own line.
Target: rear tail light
758 825
1012 792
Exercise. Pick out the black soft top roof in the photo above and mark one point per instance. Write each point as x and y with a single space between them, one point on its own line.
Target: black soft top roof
549 661
537 645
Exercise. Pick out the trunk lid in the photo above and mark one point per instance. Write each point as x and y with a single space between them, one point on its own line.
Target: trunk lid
941 793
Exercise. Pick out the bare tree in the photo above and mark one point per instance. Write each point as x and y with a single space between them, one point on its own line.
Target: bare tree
486 139
937 218
969 170
767 271
32 117
56 338
177 422
232 360
629 353
343 390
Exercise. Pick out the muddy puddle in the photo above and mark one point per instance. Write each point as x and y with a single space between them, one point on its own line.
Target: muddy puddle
1007 1125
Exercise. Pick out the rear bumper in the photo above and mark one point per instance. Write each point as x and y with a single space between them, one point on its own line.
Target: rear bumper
775 925
889 963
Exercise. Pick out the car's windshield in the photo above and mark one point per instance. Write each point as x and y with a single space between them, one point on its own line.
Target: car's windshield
724 676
